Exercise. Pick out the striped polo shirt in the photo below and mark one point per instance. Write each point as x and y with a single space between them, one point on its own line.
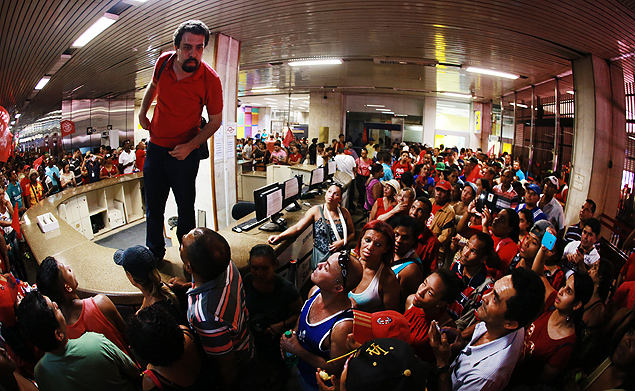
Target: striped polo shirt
217 312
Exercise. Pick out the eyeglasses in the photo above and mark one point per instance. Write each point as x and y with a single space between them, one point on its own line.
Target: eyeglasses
342 260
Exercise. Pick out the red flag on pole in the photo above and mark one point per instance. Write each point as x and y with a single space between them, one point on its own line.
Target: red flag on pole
15 222
288 138
68 127
37 162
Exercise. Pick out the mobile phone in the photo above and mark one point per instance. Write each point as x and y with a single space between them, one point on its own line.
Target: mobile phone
436 324
549 240
480 202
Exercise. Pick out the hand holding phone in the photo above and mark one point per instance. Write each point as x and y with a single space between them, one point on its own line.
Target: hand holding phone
549 240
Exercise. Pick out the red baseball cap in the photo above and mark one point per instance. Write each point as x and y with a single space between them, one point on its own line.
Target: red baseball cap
382 324
443 185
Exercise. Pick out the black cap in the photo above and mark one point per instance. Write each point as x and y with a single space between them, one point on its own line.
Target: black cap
386 364
137 260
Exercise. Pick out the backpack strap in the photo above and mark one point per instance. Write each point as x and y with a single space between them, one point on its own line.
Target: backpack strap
154 378
162 67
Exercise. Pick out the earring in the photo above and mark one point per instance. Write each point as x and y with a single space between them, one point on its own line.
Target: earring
568 319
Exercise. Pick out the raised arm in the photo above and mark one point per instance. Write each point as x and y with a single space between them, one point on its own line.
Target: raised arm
296 229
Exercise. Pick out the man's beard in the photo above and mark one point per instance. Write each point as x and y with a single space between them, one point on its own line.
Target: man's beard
190 65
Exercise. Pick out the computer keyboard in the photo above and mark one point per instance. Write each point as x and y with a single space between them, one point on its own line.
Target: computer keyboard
247 225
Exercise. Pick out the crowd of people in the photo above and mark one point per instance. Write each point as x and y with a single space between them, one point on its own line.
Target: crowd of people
453 283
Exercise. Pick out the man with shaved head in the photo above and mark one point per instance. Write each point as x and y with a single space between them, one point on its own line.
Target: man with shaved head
216 306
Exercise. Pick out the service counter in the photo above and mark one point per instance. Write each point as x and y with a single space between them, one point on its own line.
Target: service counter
93 264
119 203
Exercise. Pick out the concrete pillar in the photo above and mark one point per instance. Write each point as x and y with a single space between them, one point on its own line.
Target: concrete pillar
600 136
429 120
329 112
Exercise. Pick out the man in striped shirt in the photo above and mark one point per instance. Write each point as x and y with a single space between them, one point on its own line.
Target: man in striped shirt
216 306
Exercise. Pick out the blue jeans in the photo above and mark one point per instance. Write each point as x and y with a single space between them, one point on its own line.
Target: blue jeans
162 172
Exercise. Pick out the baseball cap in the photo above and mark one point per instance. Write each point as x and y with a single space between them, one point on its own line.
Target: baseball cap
440 166
386 364
553 180
533 187
137 260
540 227
473 186
393 183
382 324
371 139
33 171
11 291
443 185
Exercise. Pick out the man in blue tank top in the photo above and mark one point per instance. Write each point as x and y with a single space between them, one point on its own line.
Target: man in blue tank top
326 319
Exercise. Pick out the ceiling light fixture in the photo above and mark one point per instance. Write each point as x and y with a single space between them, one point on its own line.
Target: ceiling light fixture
258 90
571 92
42 82
457 95
300 63
382 109
492 72
97 28
18 115
375 105
519 105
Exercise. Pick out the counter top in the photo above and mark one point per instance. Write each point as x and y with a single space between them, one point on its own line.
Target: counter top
91 263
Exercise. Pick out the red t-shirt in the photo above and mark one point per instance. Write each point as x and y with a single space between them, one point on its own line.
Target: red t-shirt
628 270
399 168
177 115
506 250
141 158
541 349
625 295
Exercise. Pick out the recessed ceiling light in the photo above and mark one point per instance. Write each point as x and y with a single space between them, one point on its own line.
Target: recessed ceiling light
100 25
457 95
42 82
492 72
300 63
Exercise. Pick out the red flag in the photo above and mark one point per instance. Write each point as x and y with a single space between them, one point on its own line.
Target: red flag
68 127
37 162
15 222
5 135
288 138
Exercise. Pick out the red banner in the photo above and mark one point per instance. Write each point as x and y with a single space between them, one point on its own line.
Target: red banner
68 127
5 135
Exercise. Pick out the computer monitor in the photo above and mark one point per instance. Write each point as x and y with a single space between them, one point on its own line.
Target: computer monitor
260 201
291 190
331 168
317 178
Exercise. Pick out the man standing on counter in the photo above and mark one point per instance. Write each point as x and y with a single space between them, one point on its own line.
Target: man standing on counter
182 83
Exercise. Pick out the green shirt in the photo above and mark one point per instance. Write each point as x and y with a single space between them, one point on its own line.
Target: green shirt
90 362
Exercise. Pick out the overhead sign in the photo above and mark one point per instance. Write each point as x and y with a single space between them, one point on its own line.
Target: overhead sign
68 127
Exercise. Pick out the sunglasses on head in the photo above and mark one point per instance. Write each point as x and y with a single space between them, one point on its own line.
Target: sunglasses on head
342 260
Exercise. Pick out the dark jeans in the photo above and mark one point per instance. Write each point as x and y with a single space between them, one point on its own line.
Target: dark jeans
162 172
360 181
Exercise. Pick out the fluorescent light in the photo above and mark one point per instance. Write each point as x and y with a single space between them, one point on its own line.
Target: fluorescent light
571 92
519 105
100 25
264 89
457 95
492 72
12 123
300 63
270 99
401 115
42 82
375 105
382 109
18 115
